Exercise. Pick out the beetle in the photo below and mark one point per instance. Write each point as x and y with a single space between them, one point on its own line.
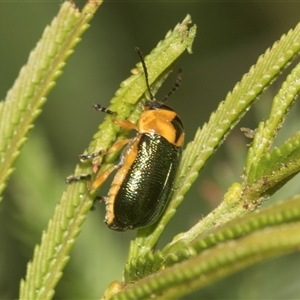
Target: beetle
148 164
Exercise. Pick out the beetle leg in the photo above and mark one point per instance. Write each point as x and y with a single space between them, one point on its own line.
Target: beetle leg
122 123
98 181
102 177
112 149
72 178
101 108
83 157
115 147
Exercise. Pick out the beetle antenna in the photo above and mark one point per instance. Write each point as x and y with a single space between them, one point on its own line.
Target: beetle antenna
175 87
145 72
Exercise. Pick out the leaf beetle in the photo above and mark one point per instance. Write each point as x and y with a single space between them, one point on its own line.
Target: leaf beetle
147 167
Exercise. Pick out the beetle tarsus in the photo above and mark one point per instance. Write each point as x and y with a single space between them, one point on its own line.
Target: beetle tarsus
72 178
84 157
101 108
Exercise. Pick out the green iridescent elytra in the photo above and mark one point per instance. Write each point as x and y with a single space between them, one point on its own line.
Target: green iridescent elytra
145 191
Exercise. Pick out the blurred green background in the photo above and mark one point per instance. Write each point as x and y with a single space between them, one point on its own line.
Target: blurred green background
229 40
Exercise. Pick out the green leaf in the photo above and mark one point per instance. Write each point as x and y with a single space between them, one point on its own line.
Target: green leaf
219 261
20 109
267 130
24 100
51 256
284 212
275 169
212 134
232 238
